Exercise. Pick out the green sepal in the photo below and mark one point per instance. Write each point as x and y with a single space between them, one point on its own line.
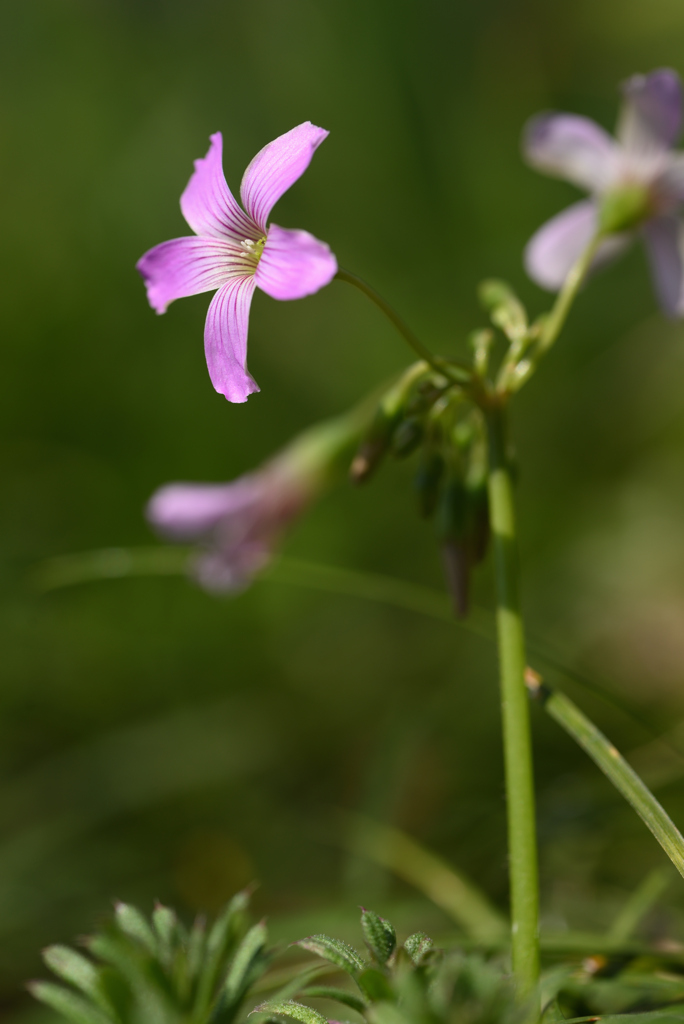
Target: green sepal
624 208
74 1007
334 950
297 1011
418 946
375 985
339 995
505 308
379 934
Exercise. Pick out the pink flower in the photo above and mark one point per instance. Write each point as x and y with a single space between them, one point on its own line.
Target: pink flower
636 183
235 251
238 525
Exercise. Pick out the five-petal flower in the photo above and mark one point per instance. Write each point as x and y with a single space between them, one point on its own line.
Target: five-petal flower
236 251
636 183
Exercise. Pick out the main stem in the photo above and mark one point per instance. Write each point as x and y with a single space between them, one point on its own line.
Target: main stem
522 837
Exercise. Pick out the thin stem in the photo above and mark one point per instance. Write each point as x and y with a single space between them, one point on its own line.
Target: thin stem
453 371
522 838
566 297
554 322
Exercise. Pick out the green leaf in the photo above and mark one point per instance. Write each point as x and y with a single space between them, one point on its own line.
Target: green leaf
334 950
339 995
240 972
133 924
417 945
379 935
220 941
386 1013
165 924
73 967
297 1011
375 985
75 1008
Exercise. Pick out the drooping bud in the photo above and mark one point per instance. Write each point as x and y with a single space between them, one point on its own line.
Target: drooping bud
427 480
407 436
504 307
388 415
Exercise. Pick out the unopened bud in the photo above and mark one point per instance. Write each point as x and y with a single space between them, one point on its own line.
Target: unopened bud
427 480
407 436
504 307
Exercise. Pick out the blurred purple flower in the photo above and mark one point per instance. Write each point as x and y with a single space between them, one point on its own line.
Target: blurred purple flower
636 183
236 251
238 525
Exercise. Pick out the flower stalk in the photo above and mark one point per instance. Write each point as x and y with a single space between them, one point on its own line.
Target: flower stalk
522 837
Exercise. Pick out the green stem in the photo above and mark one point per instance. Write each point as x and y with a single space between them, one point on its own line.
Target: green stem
613 765
453 371
522 839
555 321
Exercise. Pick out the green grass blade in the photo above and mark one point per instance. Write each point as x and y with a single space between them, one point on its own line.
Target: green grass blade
613 765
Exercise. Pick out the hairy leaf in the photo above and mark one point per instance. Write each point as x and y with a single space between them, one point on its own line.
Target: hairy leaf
297 1011
379 935
334 950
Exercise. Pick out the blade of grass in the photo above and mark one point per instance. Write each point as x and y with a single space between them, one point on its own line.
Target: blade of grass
639 903
613 765
440 882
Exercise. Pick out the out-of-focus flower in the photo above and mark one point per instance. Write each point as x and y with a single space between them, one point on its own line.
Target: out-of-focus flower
636 183
236 251
238 525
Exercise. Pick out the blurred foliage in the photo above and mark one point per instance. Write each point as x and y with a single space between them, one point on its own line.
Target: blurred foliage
158 743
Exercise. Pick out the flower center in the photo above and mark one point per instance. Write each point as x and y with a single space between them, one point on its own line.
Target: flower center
252 249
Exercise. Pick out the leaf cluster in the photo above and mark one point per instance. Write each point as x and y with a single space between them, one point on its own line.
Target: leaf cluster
412 983
156 971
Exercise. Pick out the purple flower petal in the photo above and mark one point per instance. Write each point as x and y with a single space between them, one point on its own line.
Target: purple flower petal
223 571
651 118
663 236
225 339
552 251
294 264
208 204
188 266
276 167
186 511
570 147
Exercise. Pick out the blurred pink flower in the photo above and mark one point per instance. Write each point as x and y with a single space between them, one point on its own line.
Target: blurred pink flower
636 183
238 525
236 251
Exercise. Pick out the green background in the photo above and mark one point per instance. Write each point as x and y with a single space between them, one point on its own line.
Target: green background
158 742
